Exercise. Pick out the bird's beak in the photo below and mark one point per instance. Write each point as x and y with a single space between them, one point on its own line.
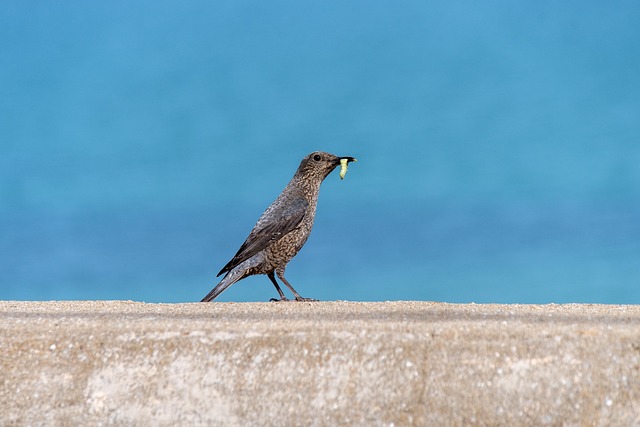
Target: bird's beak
349 159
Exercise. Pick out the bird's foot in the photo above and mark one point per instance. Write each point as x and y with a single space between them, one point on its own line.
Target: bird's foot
298 299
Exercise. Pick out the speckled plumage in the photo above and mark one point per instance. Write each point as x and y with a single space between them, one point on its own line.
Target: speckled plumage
282 229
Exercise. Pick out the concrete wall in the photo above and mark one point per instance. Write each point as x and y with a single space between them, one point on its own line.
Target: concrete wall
330 363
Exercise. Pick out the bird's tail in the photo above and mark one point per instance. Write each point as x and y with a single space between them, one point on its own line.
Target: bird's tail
239 272
220 287
229 279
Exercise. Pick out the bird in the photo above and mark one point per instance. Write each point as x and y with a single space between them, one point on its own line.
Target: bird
282 229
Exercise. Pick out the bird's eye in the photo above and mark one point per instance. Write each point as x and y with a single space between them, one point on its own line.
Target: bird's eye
317 157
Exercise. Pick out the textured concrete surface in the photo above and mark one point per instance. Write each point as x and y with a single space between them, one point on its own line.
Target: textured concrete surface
329 363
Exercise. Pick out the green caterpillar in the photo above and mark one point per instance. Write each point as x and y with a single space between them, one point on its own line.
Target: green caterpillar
343 167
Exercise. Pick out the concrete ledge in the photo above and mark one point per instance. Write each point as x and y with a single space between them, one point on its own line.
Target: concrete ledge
329 363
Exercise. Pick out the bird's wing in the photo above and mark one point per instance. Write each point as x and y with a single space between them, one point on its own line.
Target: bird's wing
285 219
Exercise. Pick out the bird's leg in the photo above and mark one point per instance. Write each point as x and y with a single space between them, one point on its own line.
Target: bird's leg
273 280
297 295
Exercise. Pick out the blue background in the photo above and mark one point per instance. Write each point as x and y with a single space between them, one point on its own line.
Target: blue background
498 146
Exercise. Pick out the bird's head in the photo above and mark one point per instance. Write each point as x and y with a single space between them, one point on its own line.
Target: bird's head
319 164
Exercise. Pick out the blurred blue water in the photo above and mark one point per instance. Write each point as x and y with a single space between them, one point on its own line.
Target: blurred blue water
498 147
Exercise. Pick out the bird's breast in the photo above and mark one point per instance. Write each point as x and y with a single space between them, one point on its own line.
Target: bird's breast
282 251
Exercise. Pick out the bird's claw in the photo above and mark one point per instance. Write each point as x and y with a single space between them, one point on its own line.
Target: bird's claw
298 299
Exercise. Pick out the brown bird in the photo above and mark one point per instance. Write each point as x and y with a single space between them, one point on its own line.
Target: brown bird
282 229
